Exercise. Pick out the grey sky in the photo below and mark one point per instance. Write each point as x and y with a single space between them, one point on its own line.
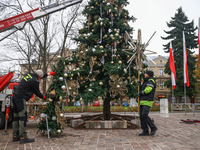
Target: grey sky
152 15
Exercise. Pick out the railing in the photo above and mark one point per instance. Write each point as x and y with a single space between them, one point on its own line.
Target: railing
194 107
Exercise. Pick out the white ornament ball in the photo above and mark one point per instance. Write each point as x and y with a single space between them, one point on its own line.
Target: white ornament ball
59 131
61 78
61 115
65 75
50 100
125 70
53 118
42 115
90 90
63 87
118 86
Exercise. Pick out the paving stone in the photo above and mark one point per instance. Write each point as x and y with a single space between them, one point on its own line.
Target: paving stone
171 135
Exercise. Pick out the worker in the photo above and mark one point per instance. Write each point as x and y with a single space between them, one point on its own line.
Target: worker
146 95
28 86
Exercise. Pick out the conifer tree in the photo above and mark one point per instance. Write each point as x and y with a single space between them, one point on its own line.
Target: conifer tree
102 69
178 24
53 110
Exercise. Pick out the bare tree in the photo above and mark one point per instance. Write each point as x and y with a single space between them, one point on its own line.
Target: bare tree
39 38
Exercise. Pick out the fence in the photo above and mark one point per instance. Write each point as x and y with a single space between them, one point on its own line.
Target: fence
194 107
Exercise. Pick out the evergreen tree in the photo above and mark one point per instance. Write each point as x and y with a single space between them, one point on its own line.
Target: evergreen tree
178 24
53 110
102 65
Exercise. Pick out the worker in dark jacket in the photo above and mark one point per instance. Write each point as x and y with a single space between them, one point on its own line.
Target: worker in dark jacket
146 96
28 86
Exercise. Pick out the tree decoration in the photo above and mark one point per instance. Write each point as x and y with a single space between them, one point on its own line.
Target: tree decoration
118 86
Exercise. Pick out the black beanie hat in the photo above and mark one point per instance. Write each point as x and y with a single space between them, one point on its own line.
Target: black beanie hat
150 73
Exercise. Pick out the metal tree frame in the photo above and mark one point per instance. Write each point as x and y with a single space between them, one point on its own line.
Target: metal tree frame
138 54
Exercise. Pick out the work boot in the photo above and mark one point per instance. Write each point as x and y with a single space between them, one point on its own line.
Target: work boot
153 131
16 138
24 140
144 134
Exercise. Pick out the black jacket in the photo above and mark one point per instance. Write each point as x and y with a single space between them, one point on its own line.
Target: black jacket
28 86
147 89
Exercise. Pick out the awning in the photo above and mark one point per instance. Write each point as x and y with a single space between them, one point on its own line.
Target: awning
4 80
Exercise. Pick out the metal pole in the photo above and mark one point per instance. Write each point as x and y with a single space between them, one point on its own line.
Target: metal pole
47 127
172 99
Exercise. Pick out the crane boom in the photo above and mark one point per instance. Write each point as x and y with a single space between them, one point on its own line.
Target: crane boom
17 22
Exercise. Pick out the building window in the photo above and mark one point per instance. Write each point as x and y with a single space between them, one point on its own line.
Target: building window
161 72
160 60
161 85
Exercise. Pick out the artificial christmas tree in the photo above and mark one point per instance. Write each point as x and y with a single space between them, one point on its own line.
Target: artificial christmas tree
53 120
103 70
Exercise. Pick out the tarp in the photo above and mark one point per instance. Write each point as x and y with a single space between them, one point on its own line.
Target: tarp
4 80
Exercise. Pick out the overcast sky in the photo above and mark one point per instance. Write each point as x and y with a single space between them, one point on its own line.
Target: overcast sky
152 15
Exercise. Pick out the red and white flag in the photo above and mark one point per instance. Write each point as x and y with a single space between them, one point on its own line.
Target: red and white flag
199 40
172 66
185 66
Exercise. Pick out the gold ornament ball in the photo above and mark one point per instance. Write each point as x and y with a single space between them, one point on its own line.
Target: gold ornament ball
81 52
59 57
60 98
101 47
112 62
115 8
72 75
117 34
105 54
115 30
100 83
102 51
105 36
91 23
83 65
97 3
119 62
86 86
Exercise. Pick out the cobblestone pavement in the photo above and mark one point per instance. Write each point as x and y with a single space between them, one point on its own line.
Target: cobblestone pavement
171 135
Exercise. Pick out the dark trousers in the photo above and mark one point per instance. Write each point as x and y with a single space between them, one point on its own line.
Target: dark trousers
145 120
19 121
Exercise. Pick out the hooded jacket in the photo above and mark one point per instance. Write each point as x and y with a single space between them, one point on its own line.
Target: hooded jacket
28 86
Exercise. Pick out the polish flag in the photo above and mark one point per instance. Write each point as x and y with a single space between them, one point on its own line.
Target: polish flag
172 66
185 66
199 40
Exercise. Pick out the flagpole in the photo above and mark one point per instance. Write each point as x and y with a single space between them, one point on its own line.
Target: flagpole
173 99
184 76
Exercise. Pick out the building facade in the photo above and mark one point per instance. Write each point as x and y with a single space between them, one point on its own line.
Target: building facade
158 68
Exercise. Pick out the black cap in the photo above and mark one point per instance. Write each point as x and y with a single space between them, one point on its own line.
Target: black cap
150 73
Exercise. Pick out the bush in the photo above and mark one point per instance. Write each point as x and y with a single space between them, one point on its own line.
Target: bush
80 109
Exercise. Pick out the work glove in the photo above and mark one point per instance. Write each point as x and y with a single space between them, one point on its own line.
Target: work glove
52 73
140 94
44 97
45 75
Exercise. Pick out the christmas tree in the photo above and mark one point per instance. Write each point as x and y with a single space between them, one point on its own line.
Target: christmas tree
52 116
102 70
